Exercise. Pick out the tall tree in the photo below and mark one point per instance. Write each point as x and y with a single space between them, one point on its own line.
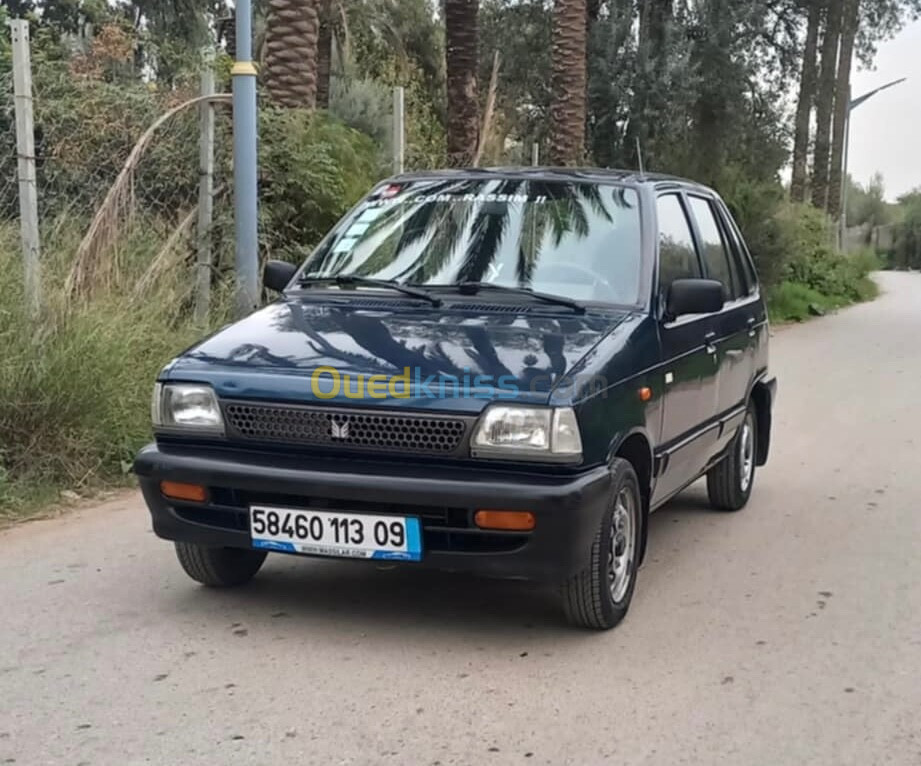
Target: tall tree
291 36
324 53
461 52
805 102
652 61
825 102
842 104
568 82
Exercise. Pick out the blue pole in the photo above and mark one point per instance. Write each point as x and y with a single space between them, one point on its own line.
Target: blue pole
245 164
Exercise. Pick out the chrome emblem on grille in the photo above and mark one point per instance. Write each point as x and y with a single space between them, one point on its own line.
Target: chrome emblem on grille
339 430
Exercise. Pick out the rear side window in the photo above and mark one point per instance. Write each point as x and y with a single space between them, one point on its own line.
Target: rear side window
720 264
739 252
677 254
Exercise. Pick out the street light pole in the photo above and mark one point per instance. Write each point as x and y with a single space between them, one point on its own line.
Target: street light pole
245 164
853 103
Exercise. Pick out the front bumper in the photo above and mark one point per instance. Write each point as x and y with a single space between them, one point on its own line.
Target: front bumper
568 508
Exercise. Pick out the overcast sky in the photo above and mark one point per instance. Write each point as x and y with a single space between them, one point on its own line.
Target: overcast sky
886 130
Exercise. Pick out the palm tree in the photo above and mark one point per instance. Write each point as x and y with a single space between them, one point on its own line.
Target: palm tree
325 53
461 54
291 38
568 80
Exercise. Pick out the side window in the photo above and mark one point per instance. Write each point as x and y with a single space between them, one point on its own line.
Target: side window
677 254
720 265
739 252
743 257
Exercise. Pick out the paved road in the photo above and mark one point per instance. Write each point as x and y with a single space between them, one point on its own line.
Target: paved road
787 634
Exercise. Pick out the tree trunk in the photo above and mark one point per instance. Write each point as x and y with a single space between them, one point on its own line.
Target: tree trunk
324 54
842 105
804 105
292 31
825 103
461 57
567 109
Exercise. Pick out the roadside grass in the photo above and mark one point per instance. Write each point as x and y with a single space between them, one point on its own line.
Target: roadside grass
796 302
823 281
75 386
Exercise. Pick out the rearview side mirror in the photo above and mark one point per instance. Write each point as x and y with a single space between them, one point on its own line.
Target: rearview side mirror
278 275
694 296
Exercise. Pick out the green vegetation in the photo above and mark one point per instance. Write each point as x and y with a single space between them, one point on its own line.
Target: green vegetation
75 388
811 277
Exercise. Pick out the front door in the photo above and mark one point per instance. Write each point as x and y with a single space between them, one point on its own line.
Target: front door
735 324
690 360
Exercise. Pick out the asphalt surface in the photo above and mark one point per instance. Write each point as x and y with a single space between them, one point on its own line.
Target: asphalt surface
789 633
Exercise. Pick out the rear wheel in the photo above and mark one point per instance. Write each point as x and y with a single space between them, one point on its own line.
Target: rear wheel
219 567
599 596
729 484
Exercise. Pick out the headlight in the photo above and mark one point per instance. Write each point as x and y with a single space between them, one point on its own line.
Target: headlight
536 433
187 407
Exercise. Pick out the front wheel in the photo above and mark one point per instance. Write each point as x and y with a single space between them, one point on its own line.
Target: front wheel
219 567
599 596
730 482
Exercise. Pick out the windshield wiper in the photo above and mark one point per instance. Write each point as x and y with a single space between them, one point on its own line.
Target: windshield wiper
353 280
472 288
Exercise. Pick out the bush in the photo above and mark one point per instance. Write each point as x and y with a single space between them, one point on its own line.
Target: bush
758 209
75 388
314 168
907 246
816 264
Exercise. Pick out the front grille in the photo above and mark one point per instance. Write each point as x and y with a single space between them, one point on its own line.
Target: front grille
318 426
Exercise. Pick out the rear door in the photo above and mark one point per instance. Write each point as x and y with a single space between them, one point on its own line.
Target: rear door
735 323
689 359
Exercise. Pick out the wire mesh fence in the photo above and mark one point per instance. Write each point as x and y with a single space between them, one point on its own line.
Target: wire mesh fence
118 175
9 194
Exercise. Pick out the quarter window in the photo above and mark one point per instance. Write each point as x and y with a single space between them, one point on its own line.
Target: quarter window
740 254
715 251
677 254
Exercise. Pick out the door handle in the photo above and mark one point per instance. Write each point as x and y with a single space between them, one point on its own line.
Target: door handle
734 353
709 338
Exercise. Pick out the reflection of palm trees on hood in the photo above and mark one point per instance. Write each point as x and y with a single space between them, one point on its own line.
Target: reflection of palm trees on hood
245 355
296 321
386 354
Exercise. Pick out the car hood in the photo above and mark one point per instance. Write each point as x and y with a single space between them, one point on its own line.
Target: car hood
275 353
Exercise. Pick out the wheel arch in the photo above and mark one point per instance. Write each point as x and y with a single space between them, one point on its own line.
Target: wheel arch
636 448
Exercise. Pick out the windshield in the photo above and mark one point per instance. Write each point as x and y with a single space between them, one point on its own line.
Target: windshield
576 240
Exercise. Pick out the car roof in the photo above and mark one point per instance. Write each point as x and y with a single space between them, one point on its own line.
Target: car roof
583 175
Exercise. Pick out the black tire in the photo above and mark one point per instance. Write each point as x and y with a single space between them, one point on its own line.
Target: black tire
726 487
589 598
219 567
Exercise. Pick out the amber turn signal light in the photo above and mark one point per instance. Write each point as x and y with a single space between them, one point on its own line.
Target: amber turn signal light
645 394
176 490
511 521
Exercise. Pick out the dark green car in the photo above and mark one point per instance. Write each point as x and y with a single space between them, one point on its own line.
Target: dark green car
501 372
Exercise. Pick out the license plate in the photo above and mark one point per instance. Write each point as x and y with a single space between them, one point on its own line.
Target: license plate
349 535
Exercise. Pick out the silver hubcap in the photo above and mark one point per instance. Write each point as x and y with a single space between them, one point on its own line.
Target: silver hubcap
623 544
746 454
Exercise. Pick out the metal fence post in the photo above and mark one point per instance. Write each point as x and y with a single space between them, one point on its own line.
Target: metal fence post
25 147
535 154
205 193
245 147
399 130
